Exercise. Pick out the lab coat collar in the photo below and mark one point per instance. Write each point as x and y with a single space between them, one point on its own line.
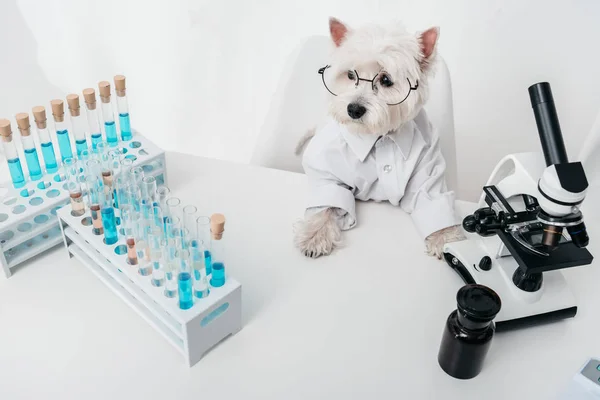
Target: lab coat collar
361 144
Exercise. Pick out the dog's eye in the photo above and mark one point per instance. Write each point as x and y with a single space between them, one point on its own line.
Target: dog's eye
351 75
386 80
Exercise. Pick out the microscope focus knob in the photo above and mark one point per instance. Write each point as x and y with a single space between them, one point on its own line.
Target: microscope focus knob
470 223
485 264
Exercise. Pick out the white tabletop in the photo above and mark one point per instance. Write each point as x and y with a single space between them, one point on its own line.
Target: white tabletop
363 323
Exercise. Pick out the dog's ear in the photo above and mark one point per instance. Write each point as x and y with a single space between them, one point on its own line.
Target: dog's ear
337 30
427 41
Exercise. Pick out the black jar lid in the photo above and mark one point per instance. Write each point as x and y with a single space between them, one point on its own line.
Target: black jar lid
478 303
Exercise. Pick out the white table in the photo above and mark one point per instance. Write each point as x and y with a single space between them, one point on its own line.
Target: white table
363 323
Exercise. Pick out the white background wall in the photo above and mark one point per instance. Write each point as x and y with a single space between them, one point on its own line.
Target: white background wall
211 77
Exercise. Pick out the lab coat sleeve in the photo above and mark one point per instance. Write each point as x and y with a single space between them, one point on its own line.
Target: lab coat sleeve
426 197
327 189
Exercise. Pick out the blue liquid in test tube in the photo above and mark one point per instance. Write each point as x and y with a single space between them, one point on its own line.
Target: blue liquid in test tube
33 164
49 157
16 172
125 126
110 225
184 284
96 138
81 145
111 133
218 274
64 144
208 262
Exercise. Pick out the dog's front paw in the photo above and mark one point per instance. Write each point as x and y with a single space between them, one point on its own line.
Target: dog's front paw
435 242
318 234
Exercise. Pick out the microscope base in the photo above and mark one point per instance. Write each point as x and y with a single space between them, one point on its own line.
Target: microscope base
553 301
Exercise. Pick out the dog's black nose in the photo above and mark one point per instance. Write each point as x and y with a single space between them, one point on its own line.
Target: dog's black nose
355 110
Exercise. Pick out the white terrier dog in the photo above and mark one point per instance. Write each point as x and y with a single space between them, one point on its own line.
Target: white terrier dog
378 144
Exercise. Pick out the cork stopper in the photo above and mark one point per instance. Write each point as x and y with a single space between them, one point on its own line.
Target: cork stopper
217 226
73 102
5 129
23 123
89 95
120 85
104 89
39 115
58 110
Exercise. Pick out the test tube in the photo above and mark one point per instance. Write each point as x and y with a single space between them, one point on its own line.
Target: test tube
83 158
159 221
185 281
94 187
204 241
123 108
89 95
169 261
162 194
201 287
148 187
79 125
106 165
12 157
62 133
143 247
130 220
109 222
217 227
136 174
156 250
110 128
174 207
31 155
74 187
189 224
39 115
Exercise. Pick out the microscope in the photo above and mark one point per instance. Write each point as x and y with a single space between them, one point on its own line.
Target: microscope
528 227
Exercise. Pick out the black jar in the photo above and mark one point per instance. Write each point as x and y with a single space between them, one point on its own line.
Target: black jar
469 331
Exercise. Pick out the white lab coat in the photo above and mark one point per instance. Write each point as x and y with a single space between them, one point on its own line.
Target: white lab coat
404 167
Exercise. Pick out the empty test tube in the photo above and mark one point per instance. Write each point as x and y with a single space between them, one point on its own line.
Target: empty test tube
123 108
62 133
142 246
110 128
185 281
148 188
94 187
12 157
162 194
130 220
217 227
89 95
189 213
39 115
204 241
174 207
79 124
31 155
170 263
156 251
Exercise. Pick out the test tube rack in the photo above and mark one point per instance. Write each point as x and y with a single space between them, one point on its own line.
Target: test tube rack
193 332
28 221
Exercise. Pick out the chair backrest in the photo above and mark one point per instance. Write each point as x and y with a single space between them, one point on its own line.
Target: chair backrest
275 147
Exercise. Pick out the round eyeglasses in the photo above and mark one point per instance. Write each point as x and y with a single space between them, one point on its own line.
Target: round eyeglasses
383 86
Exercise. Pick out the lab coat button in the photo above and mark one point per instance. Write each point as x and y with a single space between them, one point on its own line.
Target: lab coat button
387 168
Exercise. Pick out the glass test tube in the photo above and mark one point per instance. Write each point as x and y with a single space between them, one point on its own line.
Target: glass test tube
109 222
62 133
123 108
75 192
217 227
136 174
94 187
156 251
143 247
110 129
204 241
31 155
169 261
130 220
102 149
148 187
39 115
78 123
184 281
189 213
12 157
89 95
199 265
162 194
159 222
173 207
